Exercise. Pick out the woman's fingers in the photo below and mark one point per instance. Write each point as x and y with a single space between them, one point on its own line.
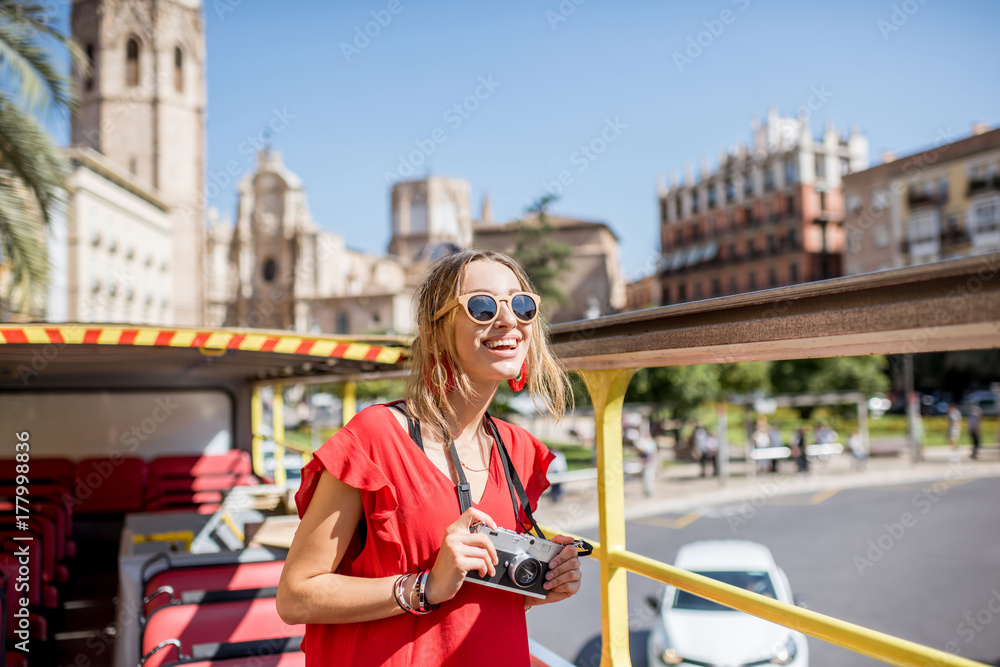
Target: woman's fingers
565 582
485 543
563 567
472 515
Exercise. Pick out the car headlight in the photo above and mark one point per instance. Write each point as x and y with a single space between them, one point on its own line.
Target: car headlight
787 653
661 649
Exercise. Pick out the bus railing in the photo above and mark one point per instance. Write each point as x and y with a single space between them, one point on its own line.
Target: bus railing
947 306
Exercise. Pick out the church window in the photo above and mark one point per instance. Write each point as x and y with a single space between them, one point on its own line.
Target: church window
88 82
178 69
270 269
132 62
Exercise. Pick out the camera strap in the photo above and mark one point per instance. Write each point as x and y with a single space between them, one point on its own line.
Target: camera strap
513 481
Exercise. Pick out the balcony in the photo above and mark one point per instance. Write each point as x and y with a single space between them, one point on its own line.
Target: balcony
981 185
923 198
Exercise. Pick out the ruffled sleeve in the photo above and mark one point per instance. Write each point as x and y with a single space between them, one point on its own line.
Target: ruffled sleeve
349 457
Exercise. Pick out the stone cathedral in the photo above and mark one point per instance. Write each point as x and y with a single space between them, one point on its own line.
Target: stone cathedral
138 245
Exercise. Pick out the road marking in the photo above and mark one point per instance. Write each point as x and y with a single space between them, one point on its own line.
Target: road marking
676 524
817 498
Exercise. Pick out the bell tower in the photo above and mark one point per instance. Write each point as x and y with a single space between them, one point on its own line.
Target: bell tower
143 107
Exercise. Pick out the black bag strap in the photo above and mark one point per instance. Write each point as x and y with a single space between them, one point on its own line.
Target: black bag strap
513 481
463 488
412 425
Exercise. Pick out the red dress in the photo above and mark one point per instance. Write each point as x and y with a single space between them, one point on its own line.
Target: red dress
408 503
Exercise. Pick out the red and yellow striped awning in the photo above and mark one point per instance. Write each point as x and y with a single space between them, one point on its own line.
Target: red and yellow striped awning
209 341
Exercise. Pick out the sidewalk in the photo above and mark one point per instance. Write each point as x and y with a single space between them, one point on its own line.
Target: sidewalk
680 489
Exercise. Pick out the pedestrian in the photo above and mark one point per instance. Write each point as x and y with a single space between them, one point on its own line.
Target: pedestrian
799 443
775 441
557 467
954 430
707 446
859 457
975 423
761 440
649 452
377 568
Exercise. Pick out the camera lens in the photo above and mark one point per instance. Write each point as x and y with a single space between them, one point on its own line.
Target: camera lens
524 570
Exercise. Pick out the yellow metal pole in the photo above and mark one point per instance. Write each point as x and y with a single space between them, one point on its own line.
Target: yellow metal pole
256 417
350 400
278 423
607 392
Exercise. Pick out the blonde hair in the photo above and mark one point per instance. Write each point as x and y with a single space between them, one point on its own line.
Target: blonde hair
435 345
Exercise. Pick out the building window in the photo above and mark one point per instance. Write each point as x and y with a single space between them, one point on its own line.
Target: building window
748 216
772 245
748 186
698 296
663 210
682 293
732 252
132 62
793 272
768 179
822 202
790 172
793 242
790 206
772 277
730 192
88 82
712 196
269 270
881 199
820 165
943 190
845 166
694 201
752 281
751 248
733 286
716 287
342 323
666 295
178 69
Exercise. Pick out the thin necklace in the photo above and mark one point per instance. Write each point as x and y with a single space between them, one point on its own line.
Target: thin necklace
481 457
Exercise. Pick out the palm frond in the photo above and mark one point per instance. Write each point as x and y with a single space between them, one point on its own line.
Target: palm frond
23 244
25 60
28 153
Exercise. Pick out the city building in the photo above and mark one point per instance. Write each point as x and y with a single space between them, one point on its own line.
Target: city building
276 269
766 216
137 145
936 204
113 258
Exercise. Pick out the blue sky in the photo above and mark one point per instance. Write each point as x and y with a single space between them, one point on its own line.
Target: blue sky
557 83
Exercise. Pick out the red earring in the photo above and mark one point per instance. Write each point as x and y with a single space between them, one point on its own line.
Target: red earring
517 384
439 378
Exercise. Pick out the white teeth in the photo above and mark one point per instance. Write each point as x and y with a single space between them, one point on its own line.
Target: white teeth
507 342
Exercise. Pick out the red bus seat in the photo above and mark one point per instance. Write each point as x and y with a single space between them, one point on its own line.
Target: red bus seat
239 576
233 462
223 622
110 485
58 471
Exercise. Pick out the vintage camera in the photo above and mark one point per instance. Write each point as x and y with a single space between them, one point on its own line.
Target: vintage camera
524 561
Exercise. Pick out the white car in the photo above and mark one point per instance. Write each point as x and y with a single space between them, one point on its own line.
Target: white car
695 631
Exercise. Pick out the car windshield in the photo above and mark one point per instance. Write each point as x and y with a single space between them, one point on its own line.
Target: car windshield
755 582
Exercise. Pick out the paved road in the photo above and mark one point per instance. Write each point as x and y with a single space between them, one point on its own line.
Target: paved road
920 584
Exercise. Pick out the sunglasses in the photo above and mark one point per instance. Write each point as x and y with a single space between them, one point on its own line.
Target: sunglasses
484 308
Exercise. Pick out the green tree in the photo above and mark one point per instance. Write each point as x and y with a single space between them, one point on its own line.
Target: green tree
32 169
866 374
542 258
681 388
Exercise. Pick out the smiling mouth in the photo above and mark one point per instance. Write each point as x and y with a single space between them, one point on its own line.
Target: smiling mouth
505 344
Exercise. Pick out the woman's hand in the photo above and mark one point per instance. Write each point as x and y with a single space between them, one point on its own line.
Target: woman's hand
563 577
461 552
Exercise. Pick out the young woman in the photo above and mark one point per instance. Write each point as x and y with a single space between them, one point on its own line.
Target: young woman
377 567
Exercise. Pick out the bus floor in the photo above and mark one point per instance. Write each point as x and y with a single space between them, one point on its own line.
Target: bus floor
85 629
